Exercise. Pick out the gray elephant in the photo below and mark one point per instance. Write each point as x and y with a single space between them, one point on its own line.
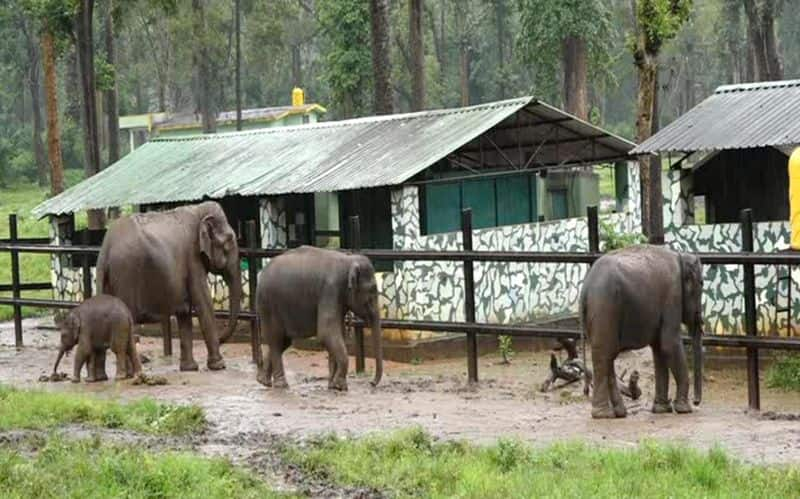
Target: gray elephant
638 297
158 264
307 291
99 323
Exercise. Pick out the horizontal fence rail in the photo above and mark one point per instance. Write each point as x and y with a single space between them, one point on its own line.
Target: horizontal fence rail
468 256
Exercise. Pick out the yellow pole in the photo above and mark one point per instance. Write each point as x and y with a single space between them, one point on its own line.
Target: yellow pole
794 198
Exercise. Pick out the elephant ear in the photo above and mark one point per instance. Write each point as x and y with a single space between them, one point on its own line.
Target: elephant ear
204 235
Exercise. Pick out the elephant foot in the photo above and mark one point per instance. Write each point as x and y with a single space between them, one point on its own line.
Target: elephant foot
280 383
189 365
216 364
682 407
102 377
339 385
604 413
75 380
661 408
265 380
620 411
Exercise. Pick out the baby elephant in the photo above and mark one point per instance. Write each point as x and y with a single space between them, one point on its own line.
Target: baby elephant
100 322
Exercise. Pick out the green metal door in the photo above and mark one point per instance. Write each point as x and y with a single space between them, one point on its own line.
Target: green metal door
480 196
442 207
513 200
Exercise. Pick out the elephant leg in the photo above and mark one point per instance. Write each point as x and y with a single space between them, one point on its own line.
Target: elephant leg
122 363
134 365
81 358
601 403
616 397
276 348
100 365
677 364
185 331
661 401
91 366
201 298
337 358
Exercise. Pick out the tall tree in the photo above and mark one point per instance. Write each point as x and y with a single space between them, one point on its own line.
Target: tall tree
417 50
34 87
656 22
768 63
85 43
110 91
573 35
204 91
238 69
348 57
381 63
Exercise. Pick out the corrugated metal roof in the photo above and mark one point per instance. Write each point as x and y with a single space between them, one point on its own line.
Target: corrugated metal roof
328 156
734 117
192 120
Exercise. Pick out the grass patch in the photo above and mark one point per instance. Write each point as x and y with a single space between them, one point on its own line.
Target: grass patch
34 409
86 468
784 374
410 463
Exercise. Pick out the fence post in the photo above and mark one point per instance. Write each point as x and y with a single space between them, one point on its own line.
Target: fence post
355 245
87 270
594 232
469 297
252 281
753 395
15 280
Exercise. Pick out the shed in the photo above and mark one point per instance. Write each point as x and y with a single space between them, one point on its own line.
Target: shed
520 164
728 153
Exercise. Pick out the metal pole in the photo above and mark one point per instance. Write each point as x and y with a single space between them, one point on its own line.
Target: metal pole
594 232
252 277
15 281
87 270
355 245
753 396
469 297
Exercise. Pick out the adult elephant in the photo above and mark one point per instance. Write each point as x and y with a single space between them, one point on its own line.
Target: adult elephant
307 291
638 297
158 264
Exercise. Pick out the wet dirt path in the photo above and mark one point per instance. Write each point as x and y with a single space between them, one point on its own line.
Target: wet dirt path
433 395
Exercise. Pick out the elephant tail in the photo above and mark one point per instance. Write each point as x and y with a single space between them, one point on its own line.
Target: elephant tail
587 373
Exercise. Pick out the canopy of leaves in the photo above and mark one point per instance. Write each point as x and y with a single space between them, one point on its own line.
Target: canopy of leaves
660 21
545 24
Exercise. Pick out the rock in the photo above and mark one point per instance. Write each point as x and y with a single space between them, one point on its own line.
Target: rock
53 377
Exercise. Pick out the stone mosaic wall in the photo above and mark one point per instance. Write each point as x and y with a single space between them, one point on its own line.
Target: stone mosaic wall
67 281
723 287
504 292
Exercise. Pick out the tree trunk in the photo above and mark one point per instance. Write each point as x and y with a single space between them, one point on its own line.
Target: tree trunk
417 50
381 63
238 34
297 66
88 94
649 167
464 53
34 85
575 93
204 94
774 62
51 98
758 43
112 109
500 12
73 84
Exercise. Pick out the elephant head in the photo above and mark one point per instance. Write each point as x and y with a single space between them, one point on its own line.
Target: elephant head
362 300
692 309
70 326
220 253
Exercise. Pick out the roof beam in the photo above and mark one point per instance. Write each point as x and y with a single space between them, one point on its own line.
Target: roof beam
531 125
587 138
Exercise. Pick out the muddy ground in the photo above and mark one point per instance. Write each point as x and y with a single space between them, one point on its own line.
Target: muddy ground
433 395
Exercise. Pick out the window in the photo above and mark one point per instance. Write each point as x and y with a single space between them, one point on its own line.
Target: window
495 201
326 220
559 207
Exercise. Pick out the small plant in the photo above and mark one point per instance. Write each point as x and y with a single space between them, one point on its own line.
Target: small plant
415 361
611 240
784 374
506 350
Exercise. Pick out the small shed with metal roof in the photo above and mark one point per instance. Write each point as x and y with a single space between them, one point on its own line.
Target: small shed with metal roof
516 163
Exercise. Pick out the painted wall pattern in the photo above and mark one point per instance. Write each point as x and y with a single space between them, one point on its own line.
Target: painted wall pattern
67 281
505 292
723 287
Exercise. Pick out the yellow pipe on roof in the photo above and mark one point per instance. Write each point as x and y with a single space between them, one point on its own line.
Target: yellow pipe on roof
794 198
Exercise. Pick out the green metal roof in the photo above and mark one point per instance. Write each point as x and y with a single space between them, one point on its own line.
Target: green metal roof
328 156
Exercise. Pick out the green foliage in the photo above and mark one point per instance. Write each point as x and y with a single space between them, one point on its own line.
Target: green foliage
409 463
785 373
545 24
348 56
506 348
55 16
611 240
33 409
88 468
660 21
105 74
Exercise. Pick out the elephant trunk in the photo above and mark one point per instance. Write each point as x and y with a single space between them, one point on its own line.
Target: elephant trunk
61 351
377 346
233 278
697 355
